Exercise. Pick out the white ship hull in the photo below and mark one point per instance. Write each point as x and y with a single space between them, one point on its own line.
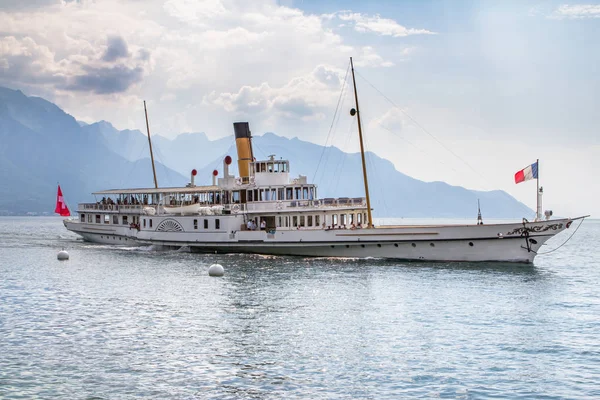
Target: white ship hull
488 250
512 242
114 235
432 243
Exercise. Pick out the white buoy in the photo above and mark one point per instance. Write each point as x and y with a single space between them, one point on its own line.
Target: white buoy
216 270
63 255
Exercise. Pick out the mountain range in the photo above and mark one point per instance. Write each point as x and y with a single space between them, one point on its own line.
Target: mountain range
41 145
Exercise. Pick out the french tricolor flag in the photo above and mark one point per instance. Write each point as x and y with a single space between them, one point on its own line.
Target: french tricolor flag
527 173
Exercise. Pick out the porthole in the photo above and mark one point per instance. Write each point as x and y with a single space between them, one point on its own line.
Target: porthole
414 245
362 245
378 245
471 244
532 241
396 244
432 244
347 246
332 246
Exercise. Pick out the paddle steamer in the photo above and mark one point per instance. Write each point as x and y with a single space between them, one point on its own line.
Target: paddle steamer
264 210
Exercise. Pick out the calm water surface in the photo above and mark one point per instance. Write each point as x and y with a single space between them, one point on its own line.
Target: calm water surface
114 323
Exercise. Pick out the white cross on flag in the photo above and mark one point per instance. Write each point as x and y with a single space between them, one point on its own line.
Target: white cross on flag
61 207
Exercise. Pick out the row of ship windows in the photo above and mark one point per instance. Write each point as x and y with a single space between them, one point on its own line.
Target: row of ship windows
269 194
146 222
277 166
217 224
98 219
294 221
287 193
331 221
299 221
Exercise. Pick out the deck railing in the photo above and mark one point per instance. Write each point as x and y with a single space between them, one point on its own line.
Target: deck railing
117 208
298 204
234 208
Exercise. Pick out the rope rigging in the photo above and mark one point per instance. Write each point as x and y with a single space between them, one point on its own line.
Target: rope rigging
565 242
422 128
415 146
376 176
340 167
333 121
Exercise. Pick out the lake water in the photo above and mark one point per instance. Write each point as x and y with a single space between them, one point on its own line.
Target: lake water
117 323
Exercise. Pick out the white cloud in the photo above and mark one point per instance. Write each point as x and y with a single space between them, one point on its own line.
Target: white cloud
302 97
240 50
407 51
379 25
26 61
64 44
576 11
60 48
195 10
222 39
369 58
393 121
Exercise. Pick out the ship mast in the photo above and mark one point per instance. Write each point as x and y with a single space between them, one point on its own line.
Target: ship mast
150 143
362 150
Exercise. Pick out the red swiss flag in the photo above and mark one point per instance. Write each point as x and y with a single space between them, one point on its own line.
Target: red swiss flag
61 207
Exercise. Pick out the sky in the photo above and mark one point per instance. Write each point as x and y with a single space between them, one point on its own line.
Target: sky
465 92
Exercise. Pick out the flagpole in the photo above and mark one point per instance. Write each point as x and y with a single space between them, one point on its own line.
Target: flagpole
150 144
362 151
537 193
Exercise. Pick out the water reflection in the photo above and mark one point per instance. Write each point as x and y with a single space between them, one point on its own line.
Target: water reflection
135 322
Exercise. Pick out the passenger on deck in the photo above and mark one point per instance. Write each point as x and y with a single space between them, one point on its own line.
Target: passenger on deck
249 225
263 225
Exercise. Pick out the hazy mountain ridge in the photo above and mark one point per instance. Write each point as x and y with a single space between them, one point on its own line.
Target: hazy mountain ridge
133 145
41 144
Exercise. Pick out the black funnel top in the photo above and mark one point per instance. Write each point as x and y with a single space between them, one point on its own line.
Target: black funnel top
242 130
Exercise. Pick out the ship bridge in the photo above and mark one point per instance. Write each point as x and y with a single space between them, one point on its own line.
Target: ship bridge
271 172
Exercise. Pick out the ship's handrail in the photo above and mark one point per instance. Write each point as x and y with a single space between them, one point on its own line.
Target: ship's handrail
328 202
234 208
82 207
291 205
